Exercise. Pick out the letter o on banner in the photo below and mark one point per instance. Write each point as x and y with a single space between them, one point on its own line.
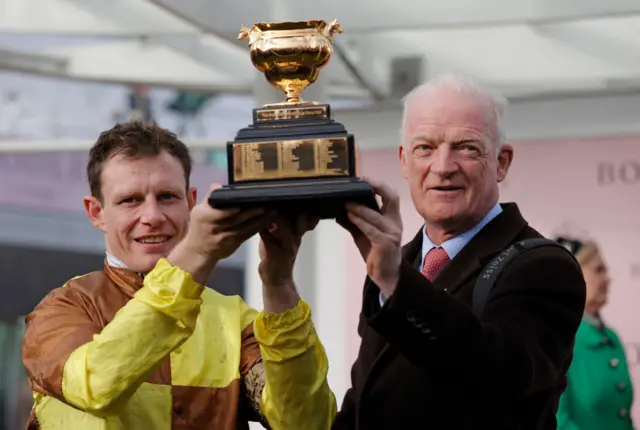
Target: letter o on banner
629 172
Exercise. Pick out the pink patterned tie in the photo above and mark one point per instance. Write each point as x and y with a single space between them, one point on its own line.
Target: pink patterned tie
435 260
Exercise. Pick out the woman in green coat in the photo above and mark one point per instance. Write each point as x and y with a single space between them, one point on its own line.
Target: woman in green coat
599 391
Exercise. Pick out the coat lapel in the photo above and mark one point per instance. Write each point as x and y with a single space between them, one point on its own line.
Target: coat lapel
489 242
412 251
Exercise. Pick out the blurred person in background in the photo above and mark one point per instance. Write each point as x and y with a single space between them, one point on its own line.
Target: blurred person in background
12 115
599 391
425 356
143 344
140 105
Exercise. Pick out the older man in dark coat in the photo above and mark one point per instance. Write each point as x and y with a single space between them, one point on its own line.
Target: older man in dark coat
426 360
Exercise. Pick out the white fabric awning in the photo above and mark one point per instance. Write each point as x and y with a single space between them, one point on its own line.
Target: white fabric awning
527 48
134 61
113 18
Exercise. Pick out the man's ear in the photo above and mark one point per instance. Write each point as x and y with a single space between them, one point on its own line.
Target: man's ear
192 197
95 213
402 154
505 158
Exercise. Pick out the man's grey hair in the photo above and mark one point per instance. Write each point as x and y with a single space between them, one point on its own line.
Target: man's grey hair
465 85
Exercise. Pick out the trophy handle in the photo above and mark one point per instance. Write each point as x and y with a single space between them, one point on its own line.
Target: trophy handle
331 28
244 33
252 34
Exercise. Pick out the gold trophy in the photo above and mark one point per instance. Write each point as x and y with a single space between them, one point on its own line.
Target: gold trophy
293 156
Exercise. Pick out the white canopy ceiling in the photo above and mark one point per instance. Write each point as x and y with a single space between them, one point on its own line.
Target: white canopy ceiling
89 17
524 47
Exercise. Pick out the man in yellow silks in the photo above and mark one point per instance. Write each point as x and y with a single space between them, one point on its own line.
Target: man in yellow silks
143 344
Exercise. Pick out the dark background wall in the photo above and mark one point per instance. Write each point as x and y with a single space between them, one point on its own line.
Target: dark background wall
28 273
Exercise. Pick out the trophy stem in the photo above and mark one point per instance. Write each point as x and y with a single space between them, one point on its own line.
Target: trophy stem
293 96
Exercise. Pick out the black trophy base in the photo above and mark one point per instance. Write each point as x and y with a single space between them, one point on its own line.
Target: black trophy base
324 198
286 135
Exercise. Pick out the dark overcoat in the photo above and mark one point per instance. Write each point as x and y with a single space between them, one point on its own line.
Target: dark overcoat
426 361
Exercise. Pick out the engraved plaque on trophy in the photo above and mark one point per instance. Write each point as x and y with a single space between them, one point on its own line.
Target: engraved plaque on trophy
294 155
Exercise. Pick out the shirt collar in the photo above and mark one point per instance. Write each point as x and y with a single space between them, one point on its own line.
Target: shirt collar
114 261
454 245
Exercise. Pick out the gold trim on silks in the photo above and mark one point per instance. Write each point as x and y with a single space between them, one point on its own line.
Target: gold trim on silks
290 159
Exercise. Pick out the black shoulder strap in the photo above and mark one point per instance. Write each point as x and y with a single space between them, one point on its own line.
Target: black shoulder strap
491 273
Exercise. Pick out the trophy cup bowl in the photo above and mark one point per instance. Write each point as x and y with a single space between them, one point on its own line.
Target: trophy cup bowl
294 156
291 54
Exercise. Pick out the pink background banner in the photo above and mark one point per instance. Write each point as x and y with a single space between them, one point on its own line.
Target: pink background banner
588 188
58 182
